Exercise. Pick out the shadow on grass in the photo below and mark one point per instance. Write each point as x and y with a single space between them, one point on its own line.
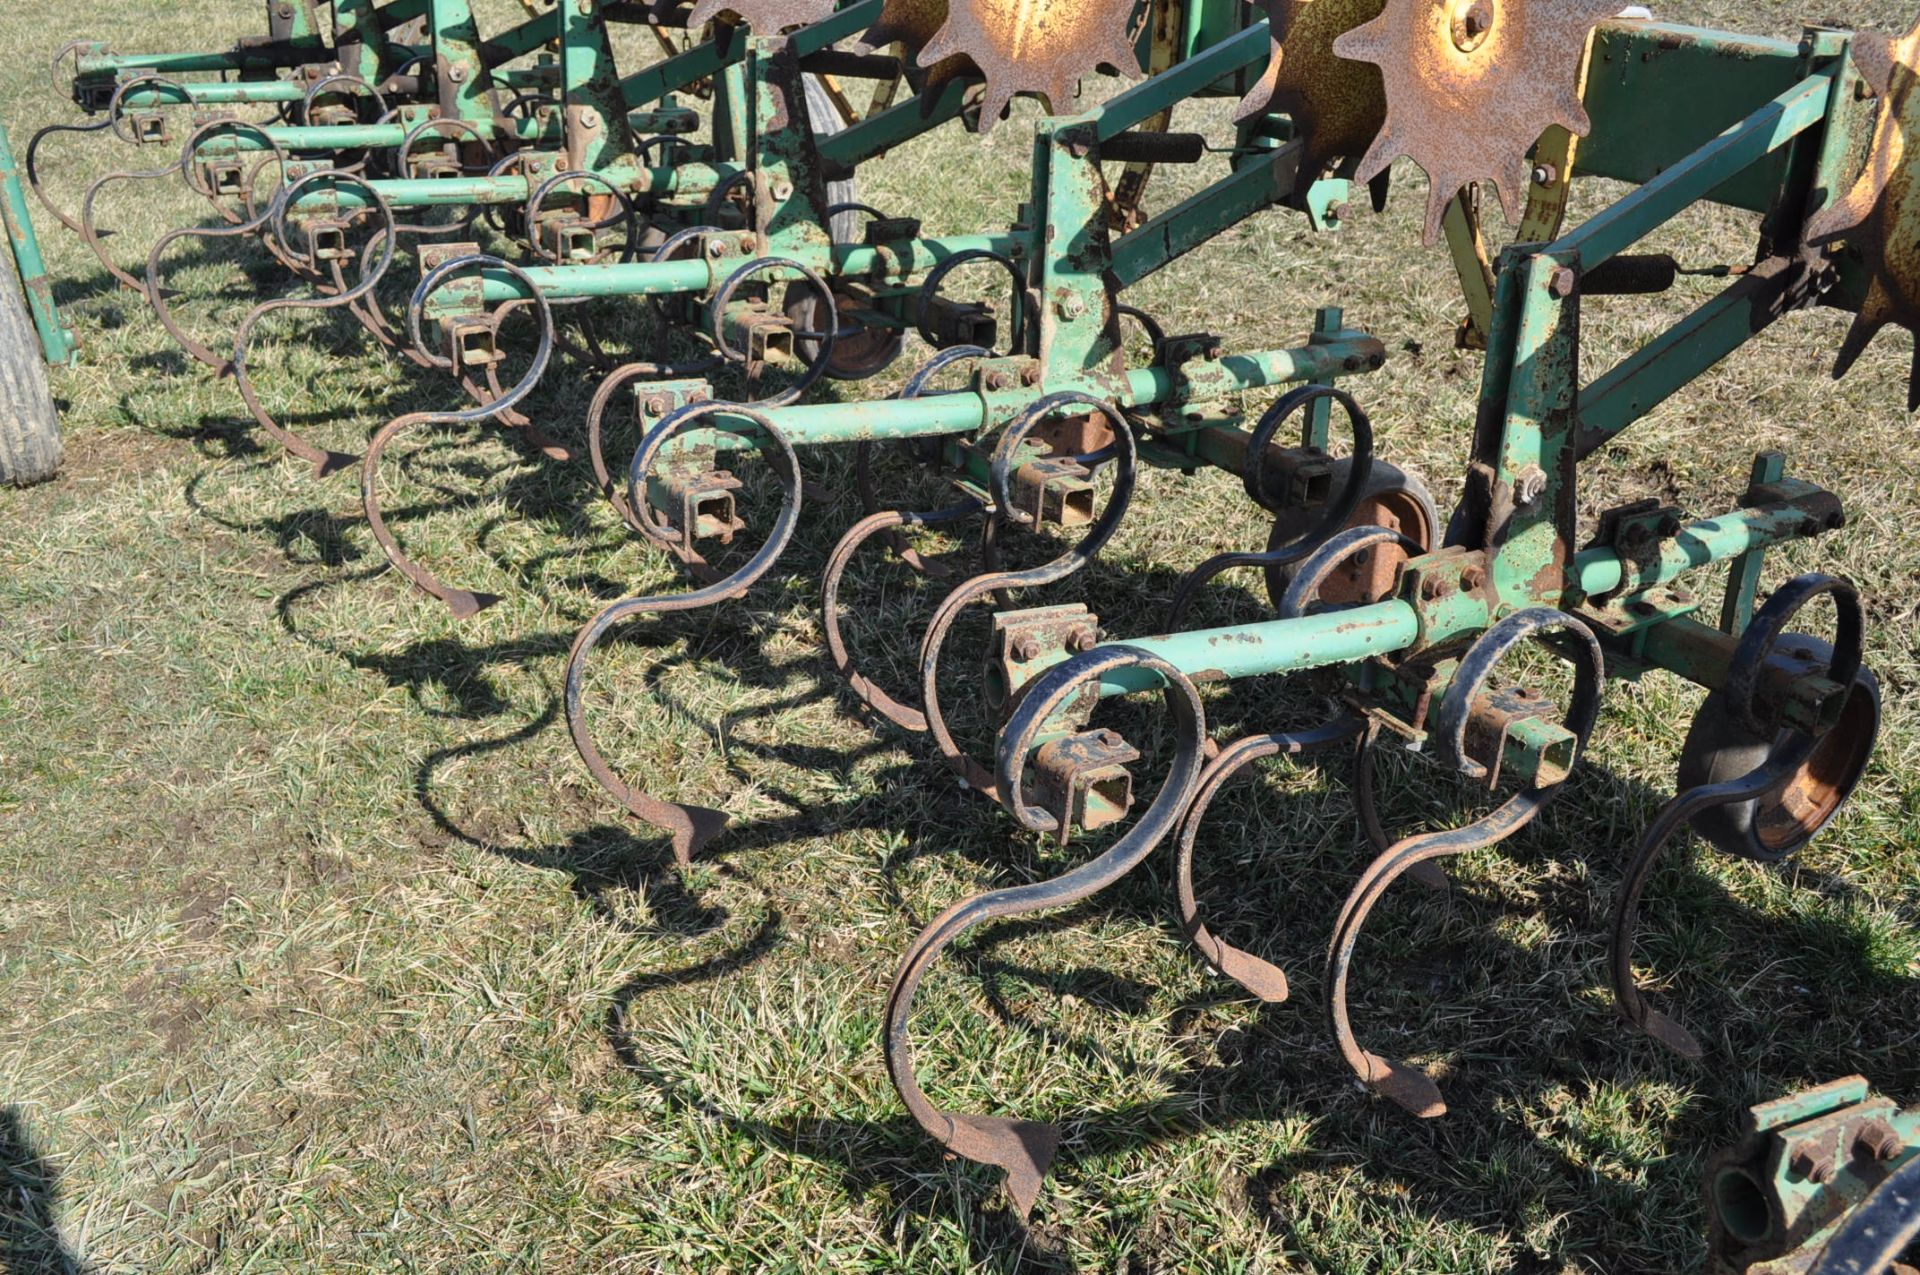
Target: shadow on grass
30 1242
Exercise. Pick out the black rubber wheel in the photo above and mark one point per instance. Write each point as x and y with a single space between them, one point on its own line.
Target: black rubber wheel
29 424
1717 749
861 352
1394 499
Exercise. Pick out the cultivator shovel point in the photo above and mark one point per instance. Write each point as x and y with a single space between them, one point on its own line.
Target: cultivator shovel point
1879 220
1470 87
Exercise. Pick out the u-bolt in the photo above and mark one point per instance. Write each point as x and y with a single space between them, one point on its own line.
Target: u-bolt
1254 478
1005 454
690 827
1405 1084
324 462
463 603
882 522
1791 750
1025 1149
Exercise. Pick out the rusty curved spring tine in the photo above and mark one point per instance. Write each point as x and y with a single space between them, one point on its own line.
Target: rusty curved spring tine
1765 781
1067 564
1311 575
373 315
691 827
1253 478
829 337
1366 800
1405 1084
887 522
617 380
916 387
158 297
930 291
1155 333
464 603
325 463
1025 1149
32 163
90 233
53 67
1262 978
628 216
1790 752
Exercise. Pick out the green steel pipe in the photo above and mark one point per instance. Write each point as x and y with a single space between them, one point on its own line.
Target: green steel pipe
108 65
1700 544
241 93
1273 646
654 279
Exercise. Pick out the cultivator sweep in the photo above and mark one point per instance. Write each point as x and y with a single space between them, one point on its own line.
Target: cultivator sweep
542 178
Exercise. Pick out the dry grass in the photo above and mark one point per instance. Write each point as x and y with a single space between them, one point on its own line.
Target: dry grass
321 951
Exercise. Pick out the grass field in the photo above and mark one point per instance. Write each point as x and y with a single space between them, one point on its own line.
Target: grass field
319 949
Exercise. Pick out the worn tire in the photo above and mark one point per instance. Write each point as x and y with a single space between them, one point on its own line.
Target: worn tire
1390 490
29 425
1719 749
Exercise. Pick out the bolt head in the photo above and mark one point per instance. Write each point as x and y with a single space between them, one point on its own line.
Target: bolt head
1083 640
1545 175
1563 282
1026 649
657 406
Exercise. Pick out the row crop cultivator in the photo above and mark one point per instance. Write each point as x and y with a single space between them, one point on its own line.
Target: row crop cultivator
742 233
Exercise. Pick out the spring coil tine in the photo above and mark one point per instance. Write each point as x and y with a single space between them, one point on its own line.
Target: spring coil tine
906 716
324 462
1253 477
1405 1084
1024 1149
930 289
1792 749
829 339
463 603
87 229
690 827
1067 564
156 294
628 215
32 165
1312 573
1264 979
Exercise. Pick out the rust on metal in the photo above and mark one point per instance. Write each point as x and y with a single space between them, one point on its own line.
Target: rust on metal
1036 46
763 17
912 24
1337 105
1471 85
1880 218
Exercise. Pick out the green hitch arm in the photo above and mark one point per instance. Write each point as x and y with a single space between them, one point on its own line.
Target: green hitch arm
56 339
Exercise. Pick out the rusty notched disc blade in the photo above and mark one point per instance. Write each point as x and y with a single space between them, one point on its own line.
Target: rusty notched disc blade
1337 105
1880 217
1471 85
912 24
1035 46
763 17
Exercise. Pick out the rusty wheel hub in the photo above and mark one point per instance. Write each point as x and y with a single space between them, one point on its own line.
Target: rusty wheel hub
1336 104
1880 217
1471 85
